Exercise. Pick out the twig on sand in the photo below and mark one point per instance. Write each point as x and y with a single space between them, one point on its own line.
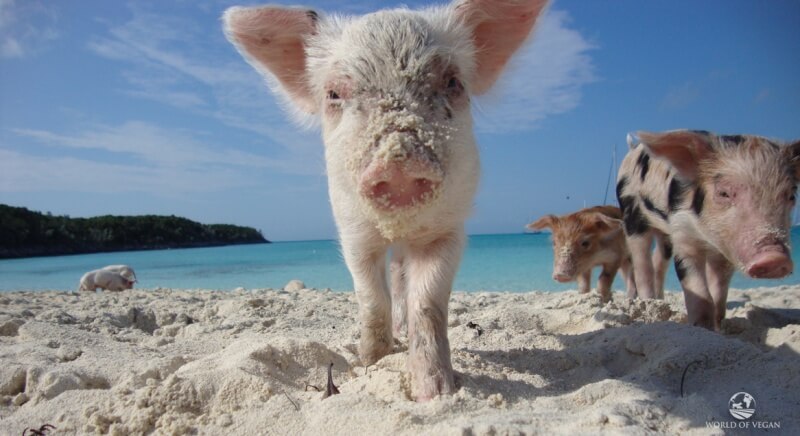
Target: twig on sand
316 388
366 369
42 431
636 353
331 389
296 407
685 370
282 391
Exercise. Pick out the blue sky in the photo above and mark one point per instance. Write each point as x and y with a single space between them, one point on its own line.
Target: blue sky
145 108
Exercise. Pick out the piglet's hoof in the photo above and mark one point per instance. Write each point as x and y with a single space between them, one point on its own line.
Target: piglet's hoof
373 348
425 389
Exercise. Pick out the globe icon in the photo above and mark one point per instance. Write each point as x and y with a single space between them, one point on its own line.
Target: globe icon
742 405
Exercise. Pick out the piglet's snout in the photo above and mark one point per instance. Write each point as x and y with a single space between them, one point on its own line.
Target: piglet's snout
561 277
400 183
771 262
564 270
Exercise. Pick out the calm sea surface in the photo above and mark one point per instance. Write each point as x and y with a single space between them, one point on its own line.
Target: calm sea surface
515 262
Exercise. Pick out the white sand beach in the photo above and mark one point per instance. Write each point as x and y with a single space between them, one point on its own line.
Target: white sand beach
167 361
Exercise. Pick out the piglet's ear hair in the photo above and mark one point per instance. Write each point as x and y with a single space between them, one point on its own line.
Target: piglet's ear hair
272 39
499 28
792 152
605 223
547 221
632 140
683 149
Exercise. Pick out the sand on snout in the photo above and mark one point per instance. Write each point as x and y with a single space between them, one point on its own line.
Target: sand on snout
167 361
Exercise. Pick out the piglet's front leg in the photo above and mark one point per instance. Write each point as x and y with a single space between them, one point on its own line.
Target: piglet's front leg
431 268
627 273
585 281
718 275
367 266
640 247
605 281
397 271
699 304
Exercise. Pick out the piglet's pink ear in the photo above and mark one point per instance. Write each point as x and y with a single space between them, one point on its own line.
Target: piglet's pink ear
605 224
543 223
272 39
683 149
500 27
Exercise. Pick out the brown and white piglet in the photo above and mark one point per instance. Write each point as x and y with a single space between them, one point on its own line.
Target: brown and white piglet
585 239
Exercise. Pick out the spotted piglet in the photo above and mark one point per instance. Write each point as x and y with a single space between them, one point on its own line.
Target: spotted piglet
724 202
393 90
585 239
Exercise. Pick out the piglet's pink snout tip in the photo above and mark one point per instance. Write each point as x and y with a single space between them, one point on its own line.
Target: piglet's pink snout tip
771 264
400 185
562 278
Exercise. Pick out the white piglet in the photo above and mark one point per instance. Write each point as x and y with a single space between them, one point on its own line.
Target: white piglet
105 280
123 270
393 91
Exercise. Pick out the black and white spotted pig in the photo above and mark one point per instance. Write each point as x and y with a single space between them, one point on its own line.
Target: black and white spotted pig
722 202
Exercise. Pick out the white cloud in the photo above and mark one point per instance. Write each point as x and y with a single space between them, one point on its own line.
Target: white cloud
10 48
184 100
27 173
135 156
763 95
169 46
678 97
25 28
544 78
141 142
168 65
6 13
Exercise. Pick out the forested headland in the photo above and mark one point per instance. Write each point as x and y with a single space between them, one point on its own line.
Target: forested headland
26 233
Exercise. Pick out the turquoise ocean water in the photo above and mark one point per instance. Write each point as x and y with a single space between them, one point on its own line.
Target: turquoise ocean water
512 262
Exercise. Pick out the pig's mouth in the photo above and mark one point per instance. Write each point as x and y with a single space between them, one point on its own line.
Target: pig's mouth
563 277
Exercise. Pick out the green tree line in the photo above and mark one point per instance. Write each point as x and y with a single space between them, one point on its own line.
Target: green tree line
25 233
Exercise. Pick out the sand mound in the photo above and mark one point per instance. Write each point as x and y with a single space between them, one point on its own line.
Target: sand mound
252 362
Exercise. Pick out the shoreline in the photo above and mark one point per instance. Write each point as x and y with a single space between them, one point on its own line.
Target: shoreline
211 362
134 249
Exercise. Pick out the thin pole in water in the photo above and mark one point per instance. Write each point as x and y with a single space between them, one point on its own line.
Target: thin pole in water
610 172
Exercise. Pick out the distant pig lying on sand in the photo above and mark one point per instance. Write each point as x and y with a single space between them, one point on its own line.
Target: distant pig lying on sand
724 203
104 279
585 239
393 90
123 270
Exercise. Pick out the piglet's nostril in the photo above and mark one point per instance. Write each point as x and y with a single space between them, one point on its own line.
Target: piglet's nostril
381 188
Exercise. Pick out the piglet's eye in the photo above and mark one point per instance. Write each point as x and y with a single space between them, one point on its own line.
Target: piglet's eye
453 83
793 195
723 194
585 244
333 95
